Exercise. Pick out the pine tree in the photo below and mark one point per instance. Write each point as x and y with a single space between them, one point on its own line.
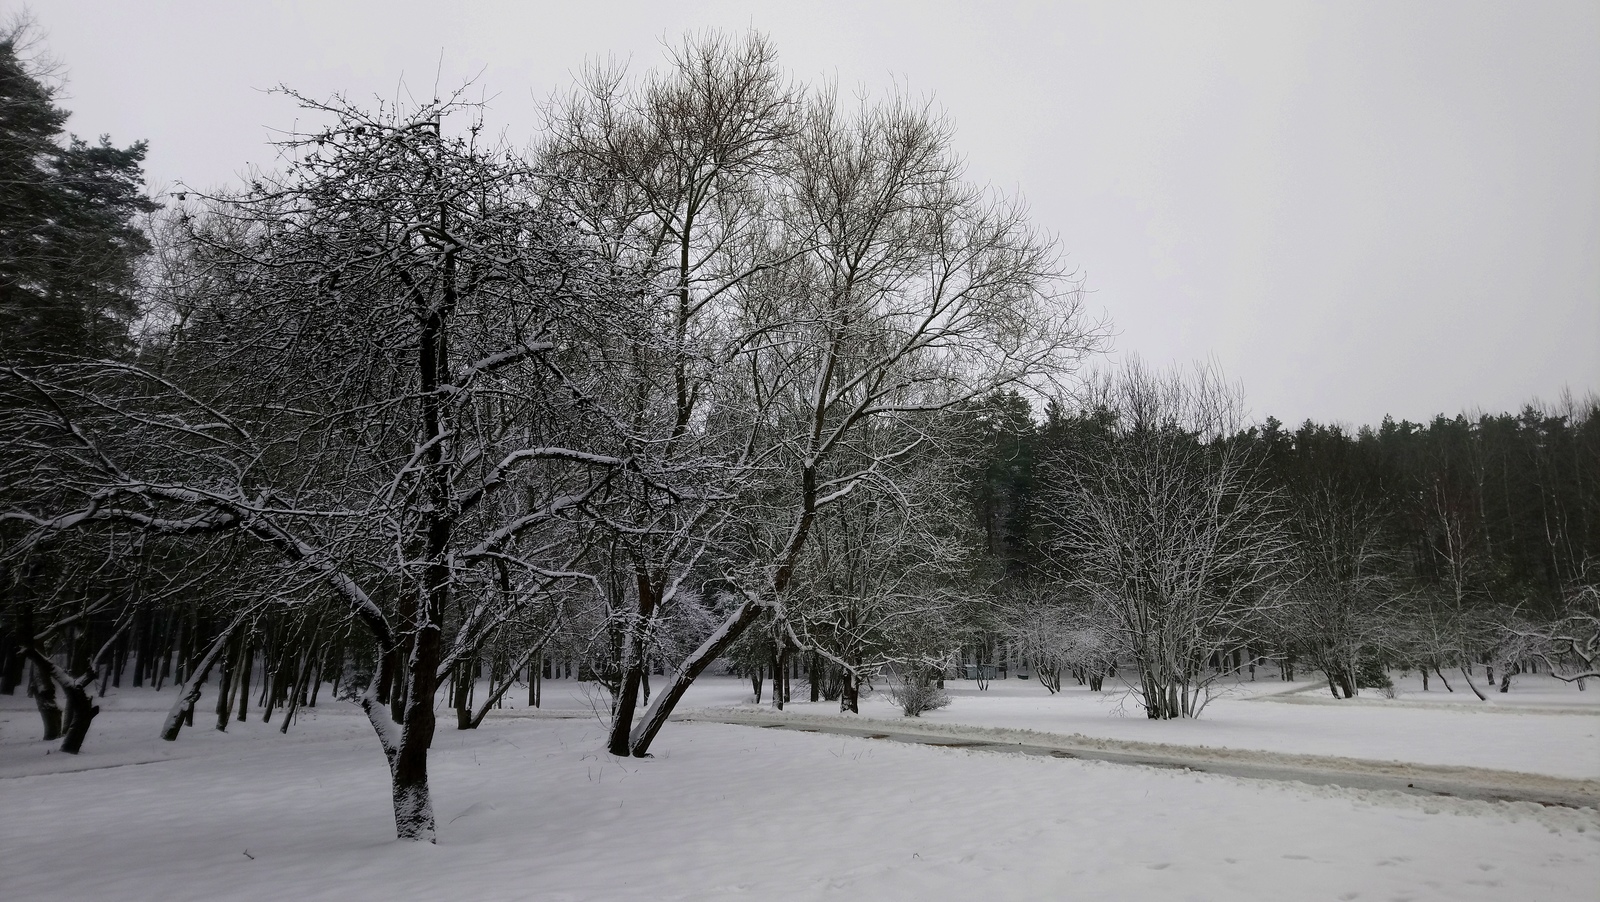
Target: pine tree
69 234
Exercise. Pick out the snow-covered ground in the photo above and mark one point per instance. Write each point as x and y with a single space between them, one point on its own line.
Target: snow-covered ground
1530 732
531 808
1543 726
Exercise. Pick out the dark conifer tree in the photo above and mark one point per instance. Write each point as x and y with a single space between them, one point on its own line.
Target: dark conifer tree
70 237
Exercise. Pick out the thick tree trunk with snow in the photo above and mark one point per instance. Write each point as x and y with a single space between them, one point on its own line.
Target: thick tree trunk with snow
408 767
406 742
81 710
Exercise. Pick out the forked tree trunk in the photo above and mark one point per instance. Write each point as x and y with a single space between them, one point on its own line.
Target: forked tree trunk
80 712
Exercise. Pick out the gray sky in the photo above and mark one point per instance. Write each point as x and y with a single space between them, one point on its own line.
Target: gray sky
1354 208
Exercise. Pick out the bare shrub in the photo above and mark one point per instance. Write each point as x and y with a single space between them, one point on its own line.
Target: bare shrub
916 691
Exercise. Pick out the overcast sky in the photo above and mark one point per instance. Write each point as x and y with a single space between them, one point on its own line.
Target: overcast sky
1355 208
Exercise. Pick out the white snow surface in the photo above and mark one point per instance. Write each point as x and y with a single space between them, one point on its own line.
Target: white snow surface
1547 729
531 807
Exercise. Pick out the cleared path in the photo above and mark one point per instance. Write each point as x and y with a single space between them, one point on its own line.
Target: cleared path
1421 779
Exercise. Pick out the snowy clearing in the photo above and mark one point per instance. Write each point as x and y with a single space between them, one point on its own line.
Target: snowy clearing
531 808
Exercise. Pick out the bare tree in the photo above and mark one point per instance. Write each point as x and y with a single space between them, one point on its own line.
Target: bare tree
1342 611
1061 634
1165 522
902 292
365 390
886 580
1570 647
672 174
1453 626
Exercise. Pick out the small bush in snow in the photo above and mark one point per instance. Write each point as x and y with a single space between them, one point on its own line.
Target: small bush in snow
918 691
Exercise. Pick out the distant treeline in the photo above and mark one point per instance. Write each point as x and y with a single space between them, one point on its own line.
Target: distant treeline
1509 501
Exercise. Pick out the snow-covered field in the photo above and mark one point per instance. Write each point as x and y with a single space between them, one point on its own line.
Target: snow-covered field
531 808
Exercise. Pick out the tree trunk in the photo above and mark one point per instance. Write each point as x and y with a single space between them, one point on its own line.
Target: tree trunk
80 708
227 686
633 664
316 681
496 692
247 658
15 663
1466 672
298 692
1440 674
413 806
183 709
460 694
711 649
777 678
80 712
44 698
